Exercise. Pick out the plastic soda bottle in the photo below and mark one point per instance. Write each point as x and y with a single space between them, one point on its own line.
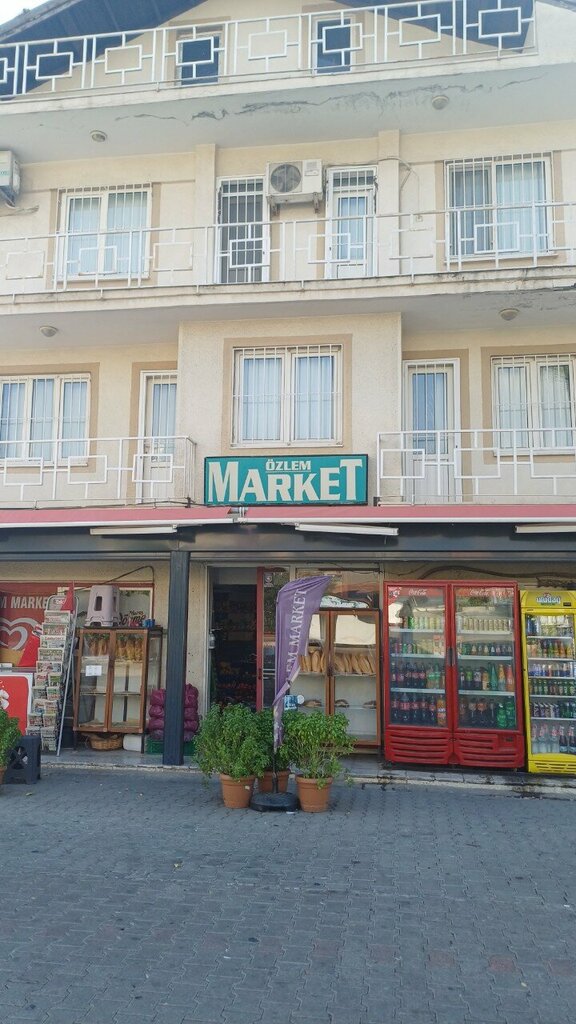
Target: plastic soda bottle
562 741
535 739
441 711
501 720
554 746
510 714
493 678
572 741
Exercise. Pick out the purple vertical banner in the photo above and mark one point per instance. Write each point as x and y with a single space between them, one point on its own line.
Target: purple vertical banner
296 603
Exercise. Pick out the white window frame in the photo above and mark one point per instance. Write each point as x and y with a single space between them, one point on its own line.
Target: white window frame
25 441
195 35
490 163
336 268
534 426
103 195
264 265
289 355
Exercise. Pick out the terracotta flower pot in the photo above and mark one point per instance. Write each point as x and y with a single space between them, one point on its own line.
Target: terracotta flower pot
312 797
236 793
265 782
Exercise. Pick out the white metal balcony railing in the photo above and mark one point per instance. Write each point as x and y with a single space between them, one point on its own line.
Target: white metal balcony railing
103 470
484 465
354 39
283 251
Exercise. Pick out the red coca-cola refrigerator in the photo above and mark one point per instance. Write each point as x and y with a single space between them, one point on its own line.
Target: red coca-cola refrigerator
452 677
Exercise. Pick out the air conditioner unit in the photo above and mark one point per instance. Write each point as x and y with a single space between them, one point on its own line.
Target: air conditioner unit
298 181
9 177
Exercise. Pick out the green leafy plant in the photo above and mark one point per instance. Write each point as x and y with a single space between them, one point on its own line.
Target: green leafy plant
229 743
9 736
315 743
265 725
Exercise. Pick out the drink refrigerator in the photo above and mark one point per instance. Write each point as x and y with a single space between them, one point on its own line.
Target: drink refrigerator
548 631
452 682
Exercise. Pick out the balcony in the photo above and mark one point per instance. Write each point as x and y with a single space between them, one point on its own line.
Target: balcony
479 466
433 246
97 471
354 40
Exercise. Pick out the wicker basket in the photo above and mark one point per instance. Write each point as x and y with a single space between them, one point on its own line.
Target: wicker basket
113 742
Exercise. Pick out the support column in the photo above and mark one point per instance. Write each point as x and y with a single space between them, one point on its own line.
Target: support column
176 658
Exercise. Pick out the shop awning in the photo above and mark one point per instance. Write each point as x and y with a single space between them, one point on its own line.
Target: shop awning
147 518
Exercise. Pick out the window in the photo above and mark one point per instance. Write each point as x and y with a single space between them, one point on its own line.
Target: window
241 231
351 206
332 46
43 417
198 59
106 233
287 395
534 401
497 206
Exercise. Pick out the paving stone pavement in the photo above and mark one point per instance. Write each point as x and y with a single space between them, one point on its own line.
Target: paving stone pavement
136 898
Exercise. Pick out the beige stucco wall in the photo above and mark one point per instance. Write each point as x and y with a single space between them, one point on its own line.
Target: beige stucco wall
371 359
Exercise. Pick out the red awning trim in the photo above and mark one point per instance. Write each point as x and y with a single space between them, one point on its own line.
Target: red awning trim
202 515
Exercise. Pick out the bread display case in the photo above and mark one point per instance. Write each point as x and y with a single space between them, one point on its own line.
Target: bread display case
340 671
115 668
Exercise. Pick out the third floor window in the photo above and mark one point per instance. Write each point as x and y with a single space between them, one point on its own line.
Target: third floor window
498 206
105 233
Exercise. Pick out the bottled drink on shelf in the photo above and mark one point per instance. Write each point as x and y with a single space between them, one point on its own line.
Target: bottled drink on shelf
501 720
432 711
510 714
554 740
509 679
543 740
441 711
404 709
473 712
534 739
395 709
463 709
485 679
562 741
501 677
572 741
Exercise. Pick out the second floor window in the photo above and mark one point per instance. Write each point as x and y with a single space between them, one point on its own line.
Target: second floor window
44 417
534 402
497 206
288 395
105 234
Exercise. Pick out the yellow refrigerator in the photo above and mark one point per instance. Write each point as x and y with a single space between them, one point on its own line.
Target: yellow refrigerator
549 671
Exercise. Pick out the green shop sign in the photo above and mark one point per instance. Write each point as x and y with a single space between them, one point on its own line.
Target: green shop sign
306 480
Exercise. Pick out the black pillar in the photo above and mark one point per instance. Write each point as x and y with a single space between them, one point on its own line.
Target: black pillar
176 658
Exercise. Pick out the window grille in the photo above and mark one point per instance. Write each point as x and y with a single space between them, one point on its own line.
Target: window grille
533 399
43 418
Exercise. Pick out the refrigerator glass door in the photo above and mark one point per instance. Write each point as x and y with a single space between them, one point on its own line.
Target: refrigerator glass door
311 681
551 670
417 656
354 663
485 657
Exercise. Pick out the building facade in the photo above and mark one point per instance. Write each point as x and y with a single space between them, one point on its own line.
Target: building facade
286 292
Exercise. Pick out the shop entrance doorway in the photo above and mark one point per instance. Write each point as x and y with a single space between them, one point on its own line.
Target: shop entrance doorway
234 661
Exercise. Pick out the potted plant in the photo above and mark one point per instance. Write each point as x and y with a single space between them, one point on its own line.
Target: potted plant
9 737
315 743
229 744
281 760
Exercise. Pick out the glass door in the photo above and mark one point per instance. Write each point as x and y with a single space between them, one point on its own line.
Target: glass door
551 671
94 657
312 681
354 668
486 657
417 656
127 681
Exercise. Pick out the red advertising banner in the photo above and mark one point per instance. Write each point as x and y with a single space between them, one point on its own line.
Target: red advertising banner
22 607
15 696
